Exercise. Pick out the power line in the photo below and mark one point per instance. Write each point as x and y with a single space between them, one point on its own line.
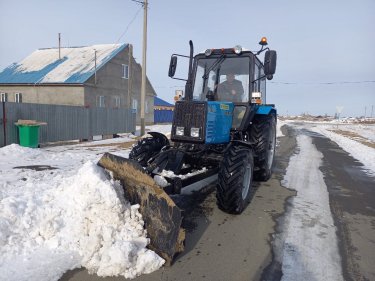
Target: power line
296 83
322 83
127 27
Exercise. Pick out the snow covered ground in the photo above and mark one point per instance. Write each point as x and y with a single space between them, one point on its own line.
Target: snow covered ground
67 213
355 138
354 144
308 248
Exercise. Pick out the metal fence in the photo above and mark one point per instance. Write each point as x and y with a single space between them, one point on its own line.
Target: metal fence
163 116
64 122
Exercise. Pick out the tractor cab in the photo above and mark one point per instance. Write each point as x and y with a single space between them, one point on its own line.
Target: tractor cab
218 77
228 74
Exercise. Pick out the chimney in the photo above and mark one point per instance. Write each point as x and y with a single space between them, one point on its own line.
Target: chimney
59 46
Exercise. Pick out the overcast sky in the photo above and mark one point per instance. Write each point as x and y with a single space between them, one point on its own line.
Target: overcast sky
318 42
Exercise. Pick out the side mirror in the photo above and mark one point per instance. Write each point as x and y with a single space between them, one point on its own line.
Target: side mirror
270 63
172 66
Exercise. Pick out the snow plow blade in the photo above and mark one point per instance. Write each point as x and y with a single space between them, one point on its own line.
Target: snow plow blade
161 215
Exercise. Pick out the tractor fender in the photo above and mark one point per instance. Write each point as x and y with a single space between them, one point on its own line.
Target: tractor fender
266 110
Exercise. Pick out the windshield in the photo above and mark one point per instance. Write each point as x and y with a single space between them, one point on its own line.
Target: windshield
227 78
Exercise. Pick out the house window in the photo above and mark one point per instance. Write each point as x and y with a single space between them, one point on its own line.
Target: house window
125 71
3 97
135 105
18 97
117 101
100 101
146 107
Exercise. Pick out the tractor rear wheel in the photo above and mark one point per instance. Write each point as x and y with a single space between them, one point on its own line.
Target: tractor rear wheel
146 148
263 136
235 180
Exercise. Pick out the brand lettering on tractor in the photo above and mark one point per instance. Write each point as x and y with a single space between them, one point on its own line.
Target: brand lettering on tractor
224 106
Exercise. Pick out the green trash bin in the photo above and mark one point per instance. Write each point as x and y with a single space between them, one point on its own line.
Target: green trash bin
29 135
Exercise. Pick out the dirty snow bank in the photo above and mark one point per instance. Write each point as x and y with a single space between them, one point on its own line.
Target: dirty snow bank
279 124
57 224
361 152
307 247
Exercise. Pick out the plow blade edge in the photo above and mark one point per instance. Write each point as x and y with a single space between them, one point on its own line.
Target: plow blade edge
161 215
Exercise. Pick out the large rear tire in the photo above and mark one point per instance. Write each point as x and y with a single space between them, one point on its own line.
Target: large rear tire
234 180
263 137
146 148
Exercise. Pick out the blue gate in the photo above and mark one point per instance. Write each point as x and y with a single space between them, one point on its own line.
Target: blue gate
163 116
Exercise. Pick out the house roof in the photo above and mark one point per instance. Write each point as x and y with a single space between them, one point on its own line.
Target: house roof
160 102
77 64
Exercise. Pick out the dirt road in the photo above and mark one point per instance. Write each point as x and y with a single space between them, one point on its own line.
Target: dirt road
252 246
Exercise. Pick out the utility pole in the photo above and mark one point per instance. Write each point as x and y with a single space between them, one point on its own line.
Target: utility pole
129 100
143 86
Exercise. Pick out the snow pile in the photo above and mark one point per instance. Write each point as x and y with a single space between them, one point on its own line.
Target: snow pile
18 151
46 229
170 174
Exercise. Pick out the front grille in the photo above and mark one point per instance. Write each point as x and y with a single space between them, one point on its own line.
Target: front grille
189 114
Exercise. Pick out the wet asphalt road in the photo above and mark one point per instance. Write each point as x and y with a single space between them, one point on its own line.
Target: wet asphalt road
226 247
352 201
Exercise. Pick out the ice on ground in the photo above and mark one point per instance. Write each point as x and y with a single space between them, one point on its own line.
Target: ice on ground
308 246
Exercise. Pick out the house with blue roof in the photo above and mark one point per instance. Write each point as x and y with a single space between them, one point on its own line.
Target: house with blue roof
163 111
104 75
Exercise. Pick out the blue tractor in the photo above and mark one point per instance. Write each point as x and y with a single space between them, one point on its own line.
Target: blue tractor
221 126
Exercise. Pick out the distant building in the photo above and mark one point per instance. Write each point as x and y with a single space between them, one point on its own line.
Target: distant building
163 111
93 76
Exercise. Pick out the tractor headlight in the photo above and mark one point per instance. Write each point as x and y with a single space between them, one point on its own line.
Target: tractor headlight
180 131
194 132
208 52
237 49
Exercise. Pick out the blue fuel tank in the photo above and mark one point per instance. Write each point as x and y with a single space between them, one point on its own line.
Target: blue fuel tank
219 121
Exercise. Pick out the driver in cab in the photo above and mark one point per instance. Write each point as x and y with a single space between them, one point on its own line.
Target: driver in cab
230 90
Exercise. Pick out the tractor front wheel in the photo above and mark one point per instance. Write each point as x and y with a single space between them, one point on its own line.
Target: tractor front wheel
148 147
234 180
